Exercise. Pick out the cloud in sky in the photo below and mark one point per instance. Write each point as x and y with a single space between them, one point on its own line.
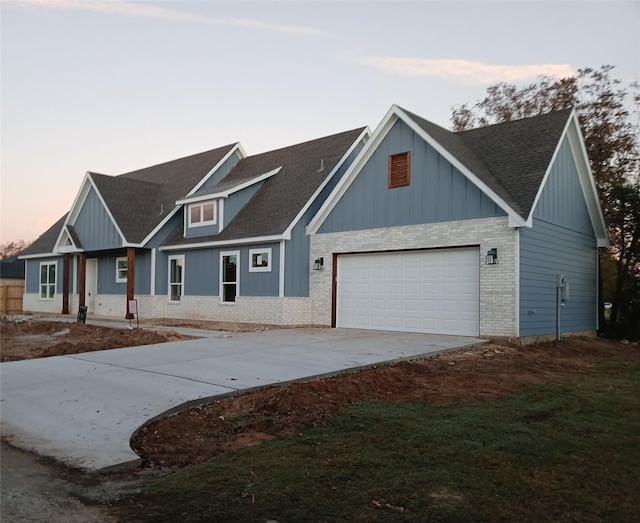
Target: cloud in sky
461 70
124 8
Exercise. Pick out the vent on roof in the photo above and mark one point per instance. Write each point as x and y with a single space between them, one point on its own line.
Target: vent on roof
321 165
399 169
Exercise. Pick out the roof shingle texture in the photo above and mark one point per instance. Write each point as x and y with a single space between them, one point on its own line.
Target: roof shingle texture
511 158
274 207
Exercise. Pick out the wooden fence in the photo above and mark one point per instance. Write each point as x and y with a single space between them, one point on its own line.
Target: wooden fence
11 298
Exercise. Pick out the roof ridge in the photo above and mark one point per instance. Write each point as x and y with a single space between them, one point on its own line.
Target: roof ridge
176 160
515 121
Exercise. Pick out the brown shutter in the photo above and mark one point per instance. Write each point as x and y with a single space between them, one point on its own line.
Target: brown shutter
399 170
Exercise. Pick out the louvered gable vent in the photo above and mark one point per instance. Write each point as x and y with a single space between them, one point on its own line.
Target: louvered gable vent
399 170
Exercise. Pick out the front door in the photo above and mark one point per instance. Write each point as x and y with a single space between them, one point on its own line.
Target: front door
91 288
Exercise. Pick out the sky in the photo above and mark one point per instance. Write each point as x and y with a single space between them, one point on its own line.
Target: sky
113 86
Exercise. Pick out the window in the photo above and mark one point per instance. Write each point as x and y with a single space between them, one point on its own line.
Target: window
47 280
229 276
176 277
399 170
259 260
202 214
121 270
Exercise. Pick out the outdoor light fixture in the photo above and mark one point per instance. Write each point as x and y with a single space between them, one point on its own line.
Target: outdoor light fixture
492 257
317 265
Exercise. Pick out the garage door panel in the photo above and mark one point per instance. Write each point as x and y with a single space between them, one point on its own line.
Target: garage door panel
418 291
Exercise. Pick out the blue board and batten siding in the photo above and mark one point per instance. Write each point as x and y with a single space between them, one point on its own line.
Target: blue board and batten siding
296 281
202 271
94 227
561 241
437 192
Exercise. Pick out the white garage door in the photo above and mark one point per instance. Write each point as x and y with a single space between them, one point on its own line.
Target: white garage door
435 291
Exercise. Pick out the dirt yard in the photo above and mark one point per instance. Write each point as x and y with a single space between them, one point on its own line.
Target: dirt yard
22 338
481 373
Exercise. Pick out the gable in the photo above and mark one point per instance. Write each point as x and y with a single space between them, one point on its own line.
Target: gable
437 190
562 200
94 226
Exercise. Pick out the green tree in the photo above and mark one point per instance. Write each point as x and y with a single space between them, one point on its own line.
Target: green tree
606 110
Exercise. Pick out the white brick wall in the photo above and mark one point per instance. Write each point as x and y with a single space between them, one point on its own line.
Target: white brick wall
31 302
498 283
246 309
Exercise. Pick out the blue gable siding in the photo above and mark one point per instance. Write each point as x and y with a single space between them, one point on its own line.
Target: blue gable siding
296 281
562 201
94 227
438 192
561 241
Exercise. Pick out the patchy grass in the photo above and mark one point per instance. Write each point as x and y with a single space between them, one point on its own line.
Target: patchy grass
550 453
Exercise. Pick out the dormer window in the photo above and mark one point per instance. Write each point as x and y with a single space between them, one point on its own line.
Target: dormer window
202 214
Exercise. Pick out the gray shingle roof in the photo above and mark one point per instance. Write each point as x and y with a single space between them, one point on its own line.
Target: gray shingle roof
46 241
511 158
274 207
139 200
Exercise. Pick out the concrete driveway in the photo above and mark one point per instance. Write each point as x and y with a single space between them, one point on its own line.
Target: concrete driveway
82 409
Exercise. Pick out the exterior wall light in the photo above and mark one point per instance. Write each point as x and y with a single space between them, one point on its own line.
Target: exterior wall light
492 257
318 264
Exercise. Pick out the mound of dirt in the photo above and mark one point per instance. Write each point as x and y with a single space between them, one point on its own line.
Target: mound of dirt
482 373
38 339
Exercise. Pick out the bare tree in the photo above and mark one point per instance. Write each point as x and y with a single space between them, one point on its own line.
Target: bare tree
12 248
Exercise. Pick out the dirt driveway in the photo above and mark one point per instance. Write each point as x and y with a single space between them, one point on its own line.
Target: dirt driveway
42 490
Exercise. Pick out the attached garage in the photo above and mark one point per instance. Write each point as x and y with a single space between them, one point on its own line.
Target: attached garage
432 291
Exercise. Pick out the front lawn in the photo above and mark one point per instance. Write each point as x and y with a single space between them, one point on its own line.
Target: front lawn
561 452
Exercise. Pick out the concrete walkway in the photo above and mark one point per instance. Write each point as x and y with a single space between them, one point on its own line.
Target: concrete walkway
82 409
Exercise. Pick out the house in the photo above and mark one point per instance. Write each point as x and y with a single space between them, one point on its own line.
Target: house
489 232
217 235
492 232
11 285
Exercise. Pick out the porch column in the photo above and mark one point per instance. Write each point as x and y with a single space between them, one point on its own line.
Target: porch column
82 270
65 283
131 265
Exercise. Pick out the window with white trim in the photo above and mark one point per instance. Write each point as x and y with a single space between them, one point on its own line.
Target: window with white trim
176 277
121 270
229 275
260 260
203 213
47 280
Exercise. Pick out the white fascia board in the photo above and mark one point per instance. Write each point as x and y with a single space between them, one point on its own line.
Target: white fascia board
41 255
225 194
157 228
106 208
587 182
345 182
241 241
363 136
236 148
514 217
